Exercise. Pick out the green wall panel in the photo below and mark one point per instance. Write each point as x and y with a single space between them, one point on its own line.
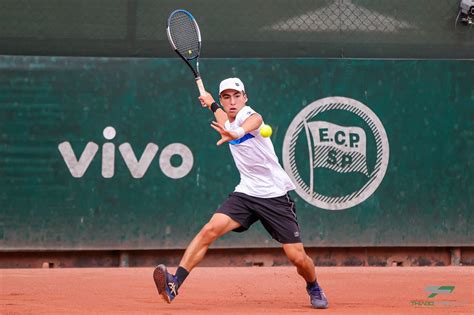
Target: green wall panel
425 107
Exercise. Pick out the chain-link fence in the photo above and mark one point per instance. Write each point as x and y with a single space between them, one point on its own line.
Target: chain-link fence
259 28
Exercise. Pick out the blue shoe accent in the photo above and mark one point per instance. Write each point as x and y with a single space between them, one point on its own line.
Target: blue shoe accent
166 283
317 297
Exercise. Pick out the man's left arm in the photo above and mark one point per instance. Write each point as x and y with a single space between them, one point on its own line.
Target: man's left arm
252 123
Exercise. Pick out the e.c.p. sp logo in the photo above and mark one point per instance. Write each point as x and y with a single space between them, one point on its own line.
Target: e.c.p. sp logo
336 152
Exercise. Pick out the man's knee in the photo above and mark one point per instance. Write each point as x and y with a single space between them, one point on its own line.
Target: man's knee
298 258
296 255
209 233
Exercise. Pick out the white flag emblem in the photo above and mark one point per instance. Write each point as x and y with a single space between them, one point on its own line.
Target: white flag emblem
341 149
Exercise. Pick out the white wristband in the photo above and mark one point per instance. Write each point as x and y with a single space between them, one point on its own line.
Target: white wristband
240 132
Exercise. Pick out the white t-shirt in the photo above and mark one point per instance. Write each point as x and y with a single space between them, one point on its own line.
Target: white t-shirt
261 175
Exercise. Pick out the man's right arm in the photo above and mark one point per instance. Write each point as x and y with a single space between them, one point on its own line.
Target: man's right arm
219 114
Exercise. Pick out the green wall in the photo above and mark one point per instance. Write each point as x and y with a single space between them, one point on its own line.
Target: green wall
425 107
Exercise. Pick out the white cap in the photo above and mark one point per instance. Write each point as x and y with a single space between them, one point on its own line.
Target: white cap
231 84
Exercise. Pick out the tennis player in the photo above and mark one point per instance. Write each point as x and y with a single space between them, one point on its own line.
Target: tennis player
262 194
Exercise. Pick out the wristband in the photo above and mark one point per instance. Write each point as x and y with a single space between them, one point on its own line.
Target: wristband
214 107
240 132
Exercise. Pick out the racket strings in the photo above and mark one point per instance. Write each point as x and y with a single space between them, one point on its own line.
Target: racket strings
185 35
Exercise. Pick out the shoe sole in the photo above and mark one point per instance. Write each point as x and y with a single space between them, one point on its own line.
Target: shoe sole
159 276
320 307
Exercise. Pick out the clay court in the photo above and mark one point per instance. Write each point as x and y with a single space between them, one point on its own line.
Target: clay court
240 290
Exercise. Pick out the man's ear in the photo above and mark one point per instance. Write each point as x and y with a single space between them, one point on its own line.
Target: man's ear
246 97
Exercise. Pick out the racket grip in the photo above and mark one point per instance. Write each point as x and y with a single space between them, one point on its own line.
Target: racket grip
200 85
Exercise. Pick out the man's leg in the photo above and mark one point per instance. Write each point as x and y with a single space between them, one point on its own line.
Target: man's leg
304 264
305 267
168 284
219 225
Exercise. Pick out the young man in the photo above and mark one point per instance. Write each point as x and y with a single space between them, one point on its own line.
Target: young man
262 194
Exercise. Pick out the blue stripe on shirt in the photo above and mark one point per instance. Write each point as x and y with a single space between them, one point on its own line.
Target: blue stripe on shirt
244 138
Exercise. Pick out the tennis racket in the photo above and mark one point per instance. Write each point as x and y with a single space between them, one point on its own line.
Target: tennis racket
185 38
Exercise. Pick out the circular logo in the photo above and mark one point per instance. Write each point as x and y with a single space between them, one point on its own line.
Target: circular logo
336 152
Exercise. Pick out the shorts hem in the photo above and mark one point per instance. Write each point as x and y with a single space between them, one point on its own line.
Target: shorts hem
242 228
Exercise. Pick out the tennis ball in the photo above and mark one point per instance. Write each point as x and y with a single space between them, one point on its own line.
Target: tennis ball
266 131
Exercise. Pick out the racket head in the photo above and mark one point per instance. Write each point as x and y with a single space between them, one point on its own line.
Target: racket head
184 34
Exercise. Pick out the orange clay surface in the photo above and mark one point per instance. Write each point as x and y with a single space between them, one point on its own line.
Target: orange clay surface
235 290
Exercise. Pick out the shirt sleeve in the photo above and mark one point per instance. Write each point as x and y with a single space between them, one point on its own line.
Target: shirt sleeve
244 113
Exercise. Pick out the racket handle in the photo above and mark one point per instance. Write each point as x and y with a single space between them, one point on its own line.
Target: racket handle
200 85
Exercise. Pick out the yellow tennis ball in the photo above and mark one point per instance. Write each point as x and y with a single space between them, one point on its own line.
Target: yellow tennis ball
266 131
190 51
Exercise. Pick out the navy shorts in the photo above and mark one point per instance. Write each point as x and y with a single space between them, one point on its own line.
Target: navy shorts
278 215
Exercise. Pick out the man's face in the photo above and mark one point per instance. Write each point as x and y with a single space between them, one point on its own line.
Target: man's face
233 101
